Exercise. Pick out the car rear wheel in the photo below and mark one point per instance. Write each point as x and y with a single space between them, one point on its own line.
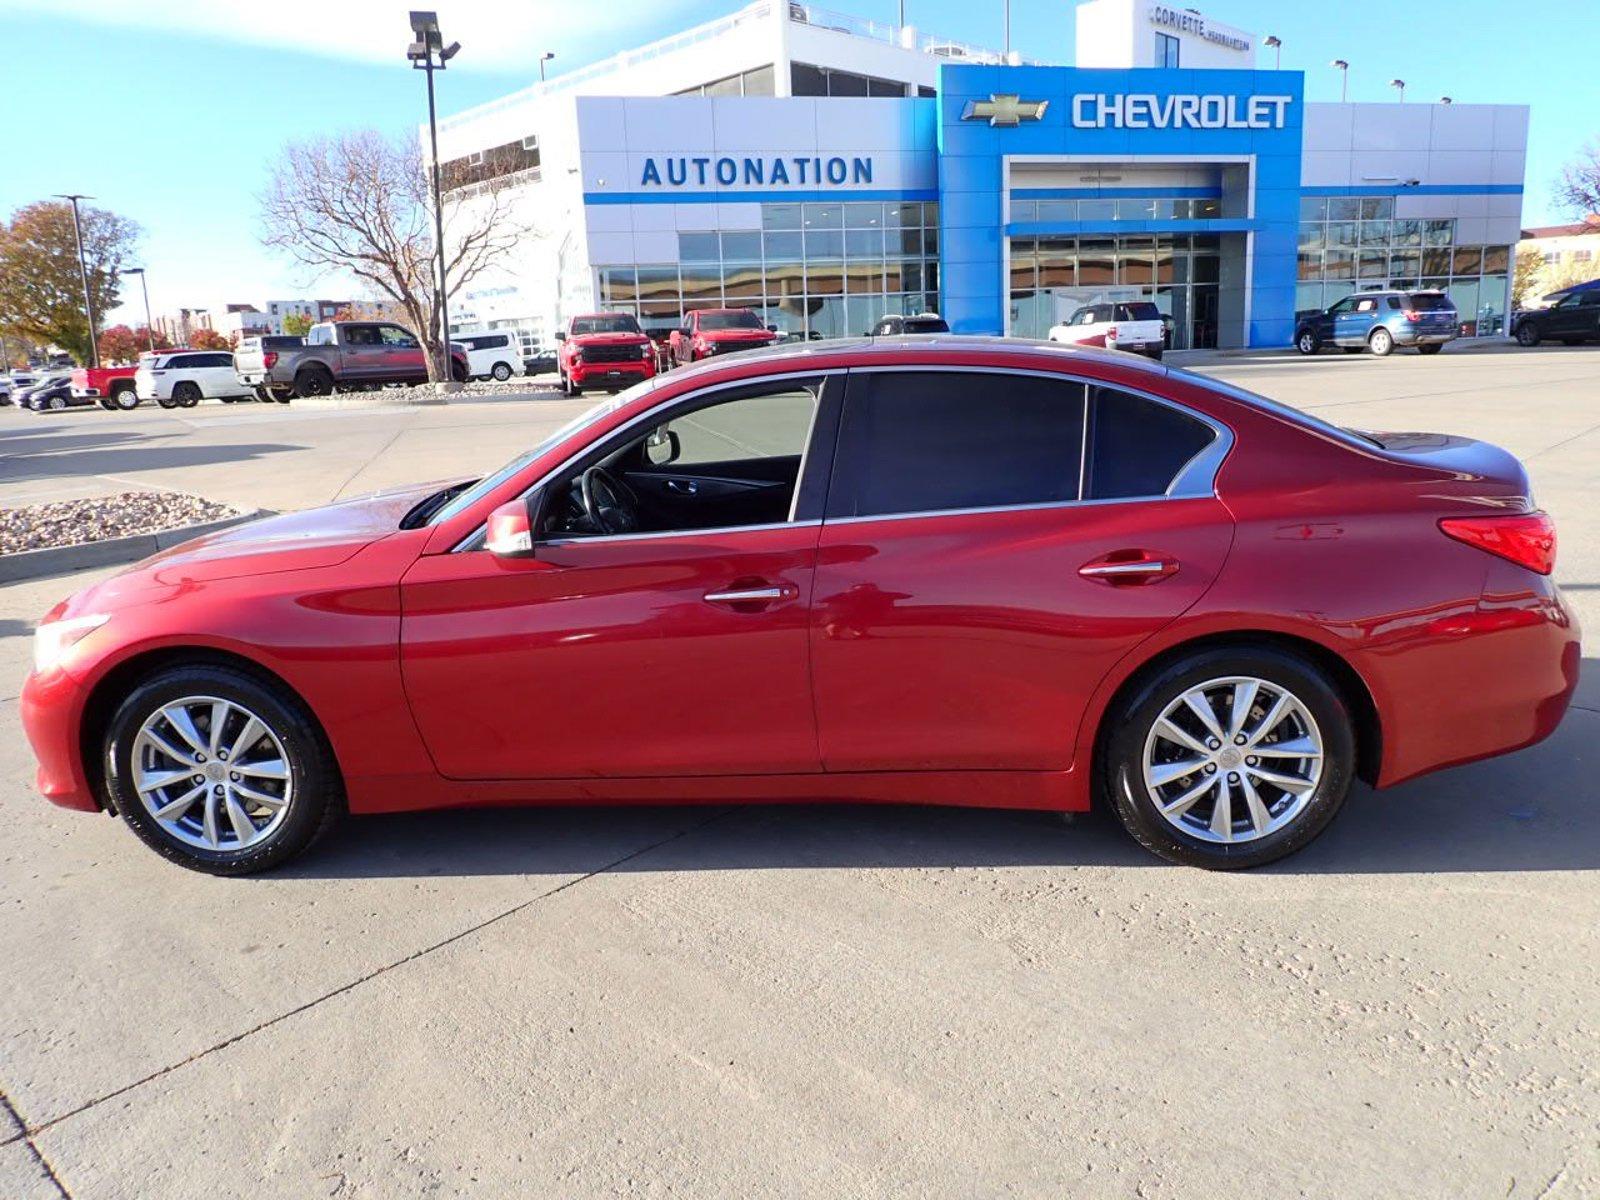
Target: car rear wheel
186 394
1381 342
313 381
1527 334
1430 348
1230 758
58 403
502 371
220 772
1307 342
124 397
105 402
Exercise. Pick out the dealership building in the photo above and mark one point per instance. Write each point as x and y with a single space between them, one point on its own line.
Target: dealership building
825 170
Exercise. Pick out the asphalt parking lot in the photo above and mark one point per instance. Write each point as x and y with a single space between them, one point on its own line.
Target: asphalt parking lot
809 1001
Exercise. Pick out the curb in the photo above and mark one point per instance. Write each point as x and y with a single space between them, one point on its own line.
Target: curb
360 400
61 560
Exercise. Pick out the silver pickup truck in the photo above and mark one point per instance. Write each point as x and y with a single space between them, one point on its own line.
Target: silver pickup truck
336 356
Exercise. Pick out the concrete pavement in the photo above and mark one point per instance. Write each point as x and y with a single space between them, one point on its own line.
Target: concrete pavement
812 1001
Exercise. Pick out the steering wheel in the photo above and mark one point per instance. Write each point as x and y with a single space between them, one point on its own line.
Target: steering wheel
609 503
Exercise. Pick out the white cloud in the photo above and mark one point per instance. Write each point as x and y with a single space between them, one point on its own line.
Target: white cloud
498 35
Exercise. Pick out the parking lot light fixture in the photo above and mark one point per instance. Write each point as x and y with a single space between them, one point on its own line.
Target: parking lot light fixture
1275 43
149 325
428 46
1340 65
83 270
1446 100
1399 85
544 58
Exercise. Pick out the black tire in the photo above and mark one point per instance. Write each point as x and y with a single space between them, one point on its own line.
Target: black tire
105 402
1306 342
568 388
317 800
1527 334
124 397
312 382
458 371
1130 725
502 371
167 401
58 403
1430 348
186 394
1380 342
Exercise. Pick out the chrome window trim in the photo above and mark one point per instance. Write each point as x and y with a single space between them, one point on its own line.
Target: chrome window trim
602 538
473 541
1196 479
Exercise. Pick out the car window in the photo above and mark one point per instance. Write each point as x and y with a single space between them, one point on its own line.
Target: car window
926 325
1430 302
1343 306
1590 300
393 335
931 441
1138 312
741 318
1366 305
1393 302
775 425
609 323
1138 445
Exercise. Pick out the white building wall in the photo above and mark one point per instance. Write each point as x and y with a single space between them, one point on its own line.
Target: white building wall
1121 33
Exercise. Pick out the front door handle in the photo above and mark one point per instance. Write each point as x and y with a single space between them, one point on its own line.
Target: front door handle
761 594
1124 569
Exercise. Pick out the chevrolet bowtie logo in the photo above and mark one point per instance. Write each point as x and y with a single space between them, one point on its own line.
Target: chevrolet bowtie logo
1004 110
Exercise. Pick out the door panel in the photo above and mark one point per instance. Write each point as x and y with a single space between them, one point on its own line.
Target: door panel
708 495
603 657
971 641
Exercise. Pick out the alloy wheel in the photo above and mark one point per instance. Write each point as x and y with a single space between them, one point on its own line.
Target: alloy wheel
1233 759
212 773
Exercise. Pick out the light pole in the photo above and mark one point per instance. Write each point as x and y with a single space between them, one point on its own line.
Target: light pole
544 58
429 42
1275 44
1340 65
1399 85
1008 29
149 325
83 271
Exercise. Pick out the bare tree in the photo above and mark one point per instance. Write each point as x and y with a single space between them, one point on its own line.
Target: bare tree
360 203
1579 188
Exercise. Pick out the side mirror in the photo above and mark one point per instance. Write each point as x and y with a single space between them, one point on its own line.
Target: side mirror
772 329
662 447
511 529
560 336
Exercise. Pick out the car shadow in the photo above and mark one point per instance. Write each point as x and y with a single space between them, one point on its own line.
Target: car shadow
129 460
1536 810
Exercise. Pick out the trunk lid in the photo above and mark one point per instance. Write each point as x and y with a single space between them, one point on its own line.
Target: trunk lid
1464 469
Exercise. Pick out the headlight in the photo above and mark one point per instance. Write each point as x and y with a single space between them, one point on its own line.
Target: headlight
52 640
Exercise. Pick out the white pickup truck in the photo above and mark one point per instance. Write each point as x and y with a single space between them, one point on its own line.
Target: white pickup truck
1133 325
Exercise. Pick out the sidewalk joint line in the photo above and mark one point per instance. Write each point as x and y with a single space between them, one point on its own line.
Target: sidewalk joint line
26 1138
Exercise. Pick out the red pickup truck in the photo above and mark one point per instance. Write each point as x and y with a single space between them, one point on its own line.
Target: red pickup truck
603 350
710 331
111 386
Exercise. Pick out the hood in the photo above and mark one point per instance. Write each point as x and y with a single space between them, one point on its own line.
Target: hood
297 541
739 335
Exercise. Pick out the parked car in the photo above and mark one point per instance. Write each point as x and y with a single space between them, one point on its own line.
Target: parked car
1379 321
182 378
950 570
53 391
260 353
603 349
111 387
338 356
710 331
894 323
1132 325
1573 319
540 362
490 355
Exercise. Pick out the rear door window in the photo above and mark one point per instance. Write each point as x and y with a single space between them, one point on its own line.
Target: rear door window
938 441
1137 446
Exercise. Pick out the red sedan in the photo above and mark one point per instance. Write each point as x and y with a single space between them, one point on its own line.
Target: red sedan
954 571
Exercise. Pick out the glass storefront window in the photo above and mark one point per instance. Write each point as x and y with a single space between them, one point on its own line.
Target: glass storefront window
862 278
702 282
1376 208
1405 264
741 282
741 247
1206 209
863 243
1339 263
863 216
1058 210
1136 210
1468 260
907 241
1024 210
908 215
823 216
824 278
1375 233
1374 264
1097 210
1313 208
1492 305
1342 208
697 248
1496 260
1436 261
783 247
1438 233
1407 233
1308 298
824 243
780 216
1310 265
1464 295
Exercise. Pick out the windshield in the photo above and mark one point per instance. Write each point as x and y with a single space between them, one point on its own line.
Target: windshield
488 483
743 319
615 323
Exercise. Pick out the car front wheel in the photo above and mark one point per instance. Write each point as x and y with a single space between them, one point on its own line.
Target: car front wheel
1307 342
1230 758
219 771
502 371
1527 334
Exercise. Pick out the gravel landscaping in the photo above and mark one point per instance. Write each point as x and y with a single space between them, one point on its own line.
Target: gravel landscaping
74 522
540 387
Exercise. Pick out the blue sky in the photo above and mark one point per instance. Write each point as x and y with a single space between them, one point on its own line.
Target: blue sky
169 111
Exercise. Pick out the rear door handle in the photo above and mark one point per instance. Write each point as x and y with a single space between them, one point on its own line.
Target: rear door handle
1124 570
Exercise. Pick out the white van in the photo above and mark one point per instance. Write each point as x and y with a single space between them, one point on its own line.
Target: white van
491 354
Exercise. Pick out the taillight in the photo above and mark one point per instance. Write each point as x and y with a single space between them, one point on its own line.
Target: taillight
1412 315
269 359
1528 540
1111 334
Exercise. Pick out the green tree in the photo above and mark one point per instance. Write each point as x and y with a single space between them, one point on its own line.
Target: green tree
297 324
41 294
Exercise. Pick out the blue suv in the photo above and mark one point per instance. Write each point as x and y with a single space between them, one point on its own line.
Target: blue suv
1380 321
